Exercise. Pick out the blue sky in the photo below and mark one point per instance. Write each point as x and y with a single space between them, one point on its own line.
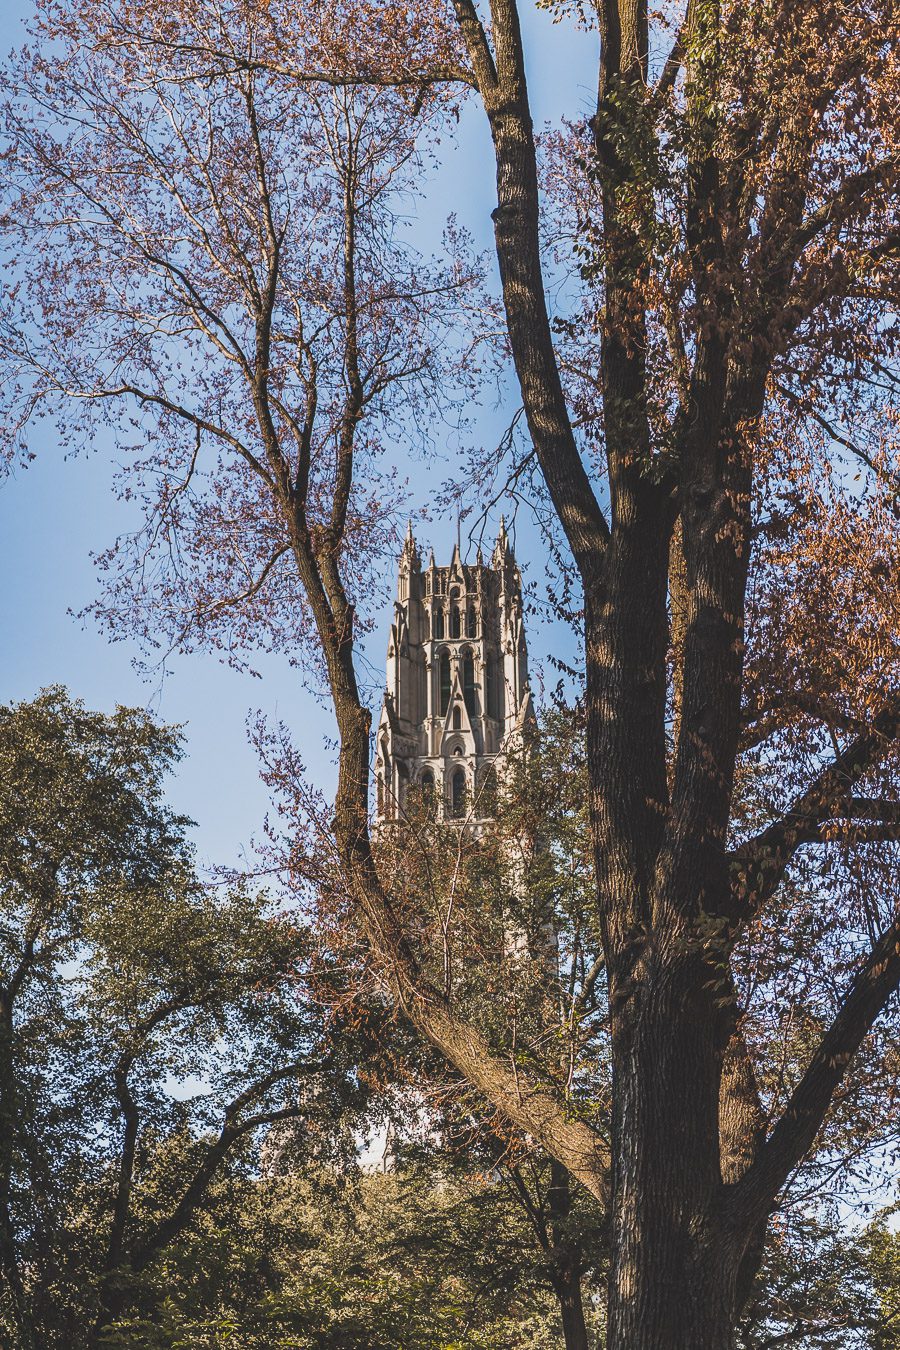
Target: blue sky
55 513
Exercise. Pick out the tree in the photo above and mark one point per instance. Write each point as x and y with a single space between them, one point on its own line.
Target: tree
824 1283
121 976
323 1260
882 1252
729 350
502 916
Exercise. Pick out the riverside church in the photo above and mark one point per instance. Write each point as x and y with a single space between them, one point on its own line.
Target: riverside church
457 681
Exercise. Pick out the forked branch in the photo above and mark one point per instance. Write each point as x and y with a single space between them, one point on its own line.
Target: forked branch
792 1137
758 866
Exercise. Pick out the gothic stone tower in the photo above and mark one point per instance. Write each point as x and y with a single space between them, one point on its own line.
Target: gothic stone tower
457 680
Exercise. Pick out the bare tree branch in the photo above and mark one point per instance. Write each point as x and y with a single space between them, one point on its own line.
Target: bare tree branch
751 1198
757 867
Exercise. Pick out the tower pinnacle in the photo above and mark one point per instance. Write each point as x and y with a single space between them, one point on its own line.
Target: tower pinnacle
502 548
410 551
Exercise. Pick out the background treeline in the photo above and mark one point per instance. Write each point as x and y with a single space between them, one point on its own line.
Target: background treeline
190 1071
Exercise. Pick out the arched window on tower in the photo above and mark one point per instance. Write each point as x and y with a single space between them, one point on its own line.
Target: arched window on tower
471 622
458 793
427 789
468 680
454 622
494 691
457 719
445 683
437 624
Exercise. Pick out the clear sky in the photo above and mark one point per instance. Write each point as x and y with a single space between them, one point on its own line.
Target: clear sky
54 514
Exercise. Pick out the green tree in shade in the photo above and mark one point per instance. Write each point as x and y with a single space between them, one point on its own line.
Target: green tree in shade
151 1027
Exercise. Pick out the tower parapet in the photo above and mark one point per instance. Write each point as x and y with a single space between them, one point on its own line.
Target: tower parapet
457 680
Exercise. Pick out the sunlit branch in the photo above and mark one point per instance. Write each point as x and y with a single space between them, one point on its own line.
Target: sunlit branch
224 62
194 419
588 984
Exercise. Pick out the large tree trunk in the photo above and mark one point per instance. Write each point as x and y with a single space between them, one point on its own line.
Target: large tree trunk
112 1303
688 1205
672 1274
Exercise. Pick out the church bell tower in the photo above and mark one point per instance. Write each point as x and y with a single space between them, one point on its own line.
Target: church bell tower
457 682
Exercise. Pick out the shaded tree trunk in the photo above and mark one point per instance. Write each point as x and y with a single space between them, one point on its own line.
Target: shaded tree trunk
567 1288
567 1255
672 1275
9 1124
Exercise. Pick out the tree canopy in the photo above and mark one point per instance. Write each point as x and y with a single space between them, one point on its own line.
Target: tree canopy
203 213
153 1028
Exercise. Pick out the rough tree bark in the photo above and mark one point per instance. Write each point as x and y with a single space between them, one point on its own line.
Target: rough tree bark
692 1179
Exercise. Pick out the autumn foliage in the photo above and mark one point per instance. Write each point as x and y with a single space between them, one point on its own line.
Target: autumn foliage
205 223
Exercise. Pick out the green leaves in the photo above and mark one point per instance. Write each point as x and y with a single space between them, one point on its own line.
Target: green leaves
152 1027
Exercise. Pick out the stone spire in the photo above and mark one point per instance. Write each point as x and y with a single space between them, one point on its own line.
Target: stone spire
502 548
409 543
409 565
